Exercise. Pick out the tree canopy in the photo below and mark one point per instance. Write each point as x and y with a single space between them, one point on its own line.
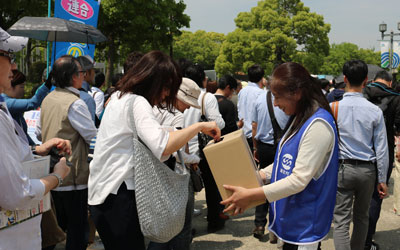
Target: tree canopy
200 47
273 32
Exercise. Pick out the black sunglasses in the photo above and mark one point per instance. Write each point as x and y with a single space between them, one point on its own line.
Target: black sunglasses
11 57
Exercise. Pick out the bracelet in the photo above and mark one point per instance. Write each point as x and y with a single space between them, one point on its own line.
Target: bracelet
60 180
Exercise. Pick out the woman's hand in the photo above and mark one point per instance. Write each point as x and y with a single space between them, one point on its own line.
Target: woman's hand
238 201
211 129
263 176
64 146
241 197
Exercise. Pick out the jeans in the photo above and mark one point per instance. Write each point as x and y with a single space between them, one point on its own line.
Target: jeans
355 183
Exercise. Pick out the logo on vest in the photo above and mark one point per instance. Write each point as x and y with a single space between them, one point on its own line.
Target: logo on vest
287 161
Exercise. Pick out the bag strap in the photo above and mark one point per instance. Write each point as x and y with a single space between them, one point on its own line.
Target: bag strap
335 109
275 125
203 113
131 118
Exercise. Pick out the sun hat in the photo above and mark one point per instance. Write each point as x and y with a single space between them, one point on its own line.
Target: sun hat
189 92
11 44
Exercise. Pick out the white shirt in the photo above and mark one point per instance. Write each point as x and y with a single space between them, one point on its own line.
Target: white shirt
192 115
113 162
17 191
98 97
80 119
175 120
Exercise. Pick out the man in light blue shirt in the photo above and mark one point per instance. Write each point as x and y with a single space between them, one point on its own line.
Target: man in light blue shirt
264 148
88 66
247 98
363 145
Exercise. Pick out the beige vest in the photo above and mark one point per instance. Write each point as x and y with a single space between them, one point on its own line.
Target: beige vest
55 123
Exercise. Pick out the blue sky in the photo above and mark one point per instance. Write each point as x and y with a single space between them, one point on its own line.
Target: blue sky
354 21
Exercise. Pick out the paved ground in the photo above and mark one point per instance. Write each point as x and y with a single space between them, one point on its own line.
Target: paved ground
236 234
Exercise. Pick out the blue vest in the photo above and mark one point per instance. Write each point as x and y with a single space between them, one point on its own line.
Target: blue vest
305 217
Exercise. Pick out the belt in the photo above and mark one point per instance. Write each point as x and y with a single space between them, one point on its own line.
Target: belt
354 162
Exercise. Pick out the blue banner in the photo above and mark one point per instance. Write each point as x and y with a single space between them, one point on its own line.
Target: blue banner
81 11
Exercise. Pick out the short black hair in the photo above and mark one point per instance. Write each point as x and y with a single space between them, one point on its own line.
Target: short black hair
255 73
196 73
356 71
184 64
324 83
384 75
63 69
99 79
131 60
227 80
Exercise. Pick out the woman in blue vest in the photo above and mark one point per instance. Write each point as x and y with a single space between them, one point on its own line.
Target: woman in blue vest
303 177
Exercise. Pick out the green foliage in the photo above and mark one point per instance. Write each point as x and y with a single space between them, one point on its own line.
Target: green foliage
200 47
36 71
274 32
340 53
12 11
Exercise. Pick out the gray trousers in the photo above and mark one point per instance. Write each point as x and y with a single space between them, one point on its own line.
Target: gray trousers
355 183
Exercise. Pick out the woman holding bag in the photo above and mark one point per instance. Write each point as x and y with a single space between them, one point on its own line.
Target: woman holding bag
153 81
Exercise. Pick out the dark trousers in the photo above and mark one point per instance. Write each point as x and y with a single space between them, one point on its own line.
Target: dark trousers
117 221
266 154
213 197
250 142
375 209
71 211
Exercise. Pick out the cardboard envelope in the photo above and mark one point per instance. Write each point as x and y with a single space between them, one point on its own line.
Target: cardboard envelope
231 163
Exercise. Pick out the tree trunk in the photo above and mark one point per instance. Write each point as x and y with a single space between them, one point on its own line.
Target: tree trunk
110 61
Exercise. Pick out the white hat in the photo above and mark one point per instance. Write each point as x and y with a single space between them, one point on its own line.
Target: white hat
189 92
11 44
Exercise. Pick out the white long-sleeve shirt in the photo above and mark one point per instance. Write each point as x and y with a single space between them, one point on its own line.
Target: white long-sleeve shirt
192 115
17 190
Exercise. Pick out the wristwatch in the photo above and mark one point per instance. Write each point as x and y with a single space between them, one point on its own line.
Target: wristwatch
60 180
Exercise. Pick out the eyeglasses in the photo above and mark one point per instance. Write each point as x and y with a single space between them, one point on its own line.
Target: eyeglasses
11 57
83 72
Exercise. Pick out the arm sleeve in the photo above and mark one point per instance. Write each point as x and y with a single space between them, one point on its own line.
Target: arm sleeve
212 111
17 190
381 148
80 119
22 105
313 155
148 128
99 100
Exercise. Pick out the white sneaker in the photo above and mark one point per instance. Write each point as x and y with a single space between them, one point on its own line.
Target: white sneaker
196 212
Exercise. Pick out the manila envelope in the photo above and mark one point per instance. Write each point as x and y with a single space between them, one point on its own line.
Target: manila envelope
232 163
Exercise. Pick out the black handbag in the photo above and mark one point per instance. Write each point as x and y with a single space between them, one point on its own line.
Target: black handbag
197 181
203 139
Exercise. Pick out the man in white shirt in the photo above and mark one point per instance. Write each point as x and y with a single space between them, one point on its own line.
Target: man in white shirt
207 101
247 97
65 115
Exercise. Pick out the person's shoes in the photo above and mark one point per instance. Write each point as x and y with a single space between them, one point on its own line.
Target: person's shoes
213 227
272 238
223 216
196 212
374 246
258 232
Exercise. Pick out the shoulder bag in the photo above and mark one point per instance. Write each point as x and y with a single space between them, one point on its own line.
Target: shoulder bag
161 193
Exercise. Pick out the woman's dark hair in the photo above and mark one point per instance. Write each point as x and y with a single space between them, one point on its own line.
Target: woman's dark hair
289 78
63 69
18 78
150 77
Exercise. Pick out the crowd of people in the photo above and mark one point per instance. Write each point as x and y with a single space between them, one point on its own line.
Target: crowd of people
324 151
